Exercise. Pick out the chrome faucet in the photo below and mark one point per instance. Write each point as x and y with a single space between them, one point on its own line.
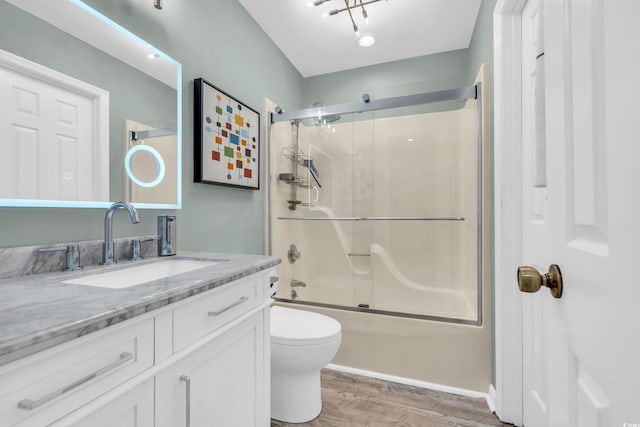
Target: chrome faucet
296 283
107 245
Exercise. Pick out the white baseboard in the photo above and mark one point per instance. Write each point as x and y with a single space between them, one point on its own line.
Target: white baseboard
491 398
409 381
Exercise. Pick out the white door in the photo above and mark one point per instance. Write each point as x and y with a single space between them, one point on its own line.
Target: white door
54 134
580 352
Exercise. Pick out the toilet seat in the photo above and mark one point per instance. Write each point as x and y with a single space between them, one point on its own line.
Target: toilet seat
297 327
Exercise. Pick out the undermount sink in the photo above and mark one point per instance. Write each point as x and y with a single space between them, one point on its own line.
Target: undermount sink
136 275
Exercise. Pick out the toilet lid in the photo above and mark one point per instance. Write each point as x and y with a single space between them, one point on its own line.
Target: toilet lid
299 327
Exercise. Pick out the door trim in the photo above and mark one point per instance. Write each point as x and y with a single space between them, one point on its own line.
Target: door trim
508 208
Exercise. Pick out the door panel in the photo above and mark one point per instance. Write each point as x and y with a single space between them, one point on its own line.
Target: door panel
582 344
47 140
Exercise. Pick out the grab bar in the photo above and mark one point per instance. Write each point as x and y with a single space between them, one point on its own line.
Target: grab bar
371 218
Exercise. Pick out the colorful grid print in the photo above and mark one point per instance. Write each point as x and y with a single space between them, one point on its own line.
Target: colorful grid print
230 140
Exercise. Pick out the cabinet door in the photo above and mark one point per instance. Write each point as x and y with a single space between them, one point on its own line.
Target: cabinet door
131 409
222 383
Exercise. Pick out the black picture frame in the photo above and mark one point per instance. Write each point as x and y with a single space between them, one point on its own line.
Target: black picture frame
226 139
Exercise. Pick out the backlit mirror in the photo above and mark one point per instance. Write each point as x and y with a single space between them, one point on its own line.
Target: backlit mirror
89 112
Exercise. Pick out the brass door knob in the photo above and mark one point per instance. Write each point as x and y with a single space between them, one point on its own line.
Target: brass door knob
531 280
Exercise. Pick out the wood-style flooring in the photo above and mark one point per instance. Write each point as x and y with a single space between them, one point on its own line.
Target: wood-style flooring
355 401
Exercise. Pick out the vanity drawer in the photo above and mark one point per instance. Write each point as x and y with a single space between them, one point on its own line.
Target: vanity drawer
208 311
43 387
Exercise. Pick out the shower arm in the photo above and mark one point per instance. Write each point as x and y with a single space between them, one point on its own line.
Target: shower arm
135 135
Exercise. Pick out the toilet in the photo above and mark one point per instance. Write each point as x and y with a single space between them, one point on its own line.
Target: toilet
302 343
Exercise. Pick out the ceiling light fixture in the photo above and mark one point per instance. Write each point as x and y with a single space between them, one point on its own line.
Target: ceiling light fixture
356 4
367 40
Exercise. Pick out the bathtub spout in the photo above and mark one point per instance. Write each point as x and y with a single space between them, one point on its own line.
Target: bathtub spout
296 283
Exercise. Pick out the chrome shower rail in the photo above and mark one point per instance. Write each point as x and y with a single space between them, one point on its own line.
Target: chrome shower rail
361 309
370 218
459 94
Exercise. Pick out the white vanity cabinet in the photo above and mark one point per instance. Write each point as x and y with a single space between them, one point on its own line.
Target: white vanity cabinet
221 383
199 362
40 389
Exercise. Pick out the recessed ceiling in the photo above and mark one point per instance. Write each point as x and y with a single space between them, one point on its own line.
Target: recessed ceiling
403 29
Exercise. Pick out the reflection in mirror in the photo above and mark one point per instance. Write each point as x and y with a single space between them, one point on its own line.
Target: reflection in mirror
150 164
126 83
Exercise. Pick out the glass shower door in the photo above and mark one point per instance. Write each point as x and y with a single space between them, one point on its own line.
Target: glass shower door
382 208
424 242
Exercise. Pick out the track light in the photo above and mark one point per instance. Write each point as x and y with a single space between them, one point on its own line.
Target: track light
347 8
364 13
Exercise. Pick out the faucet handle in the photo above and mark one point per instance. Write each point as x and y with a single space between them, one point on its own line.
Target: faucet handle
136 252
72 258
136 247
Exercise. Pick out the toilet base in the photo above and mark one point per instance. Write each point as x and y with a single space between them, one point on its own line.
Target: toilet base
295 398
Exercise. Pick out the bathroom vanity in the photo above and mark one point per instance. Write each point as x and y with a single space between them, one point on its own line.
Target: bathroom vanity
184 349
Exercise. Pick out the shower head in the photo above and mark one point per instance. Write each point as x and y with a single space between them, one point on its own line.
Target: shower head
320 119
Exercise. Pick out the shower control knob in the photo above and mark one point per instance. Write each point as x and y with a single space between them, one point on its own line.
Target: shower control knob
293 253
531 280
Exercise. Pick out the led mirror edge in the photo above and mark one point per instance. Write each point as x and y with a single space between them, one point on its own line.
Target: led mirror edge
178 204
35 203
129 34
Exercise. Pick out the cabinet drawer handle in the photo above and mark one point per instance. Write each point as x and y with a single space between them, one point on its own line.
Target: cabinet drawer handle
185 379
229 307
29 404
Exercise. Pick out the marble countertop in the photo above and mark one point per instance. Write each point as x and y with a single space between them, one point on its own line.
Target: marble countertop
38 311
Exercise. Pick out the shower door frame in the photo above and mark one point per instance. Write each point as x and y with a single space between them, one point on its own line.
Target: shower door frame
458 94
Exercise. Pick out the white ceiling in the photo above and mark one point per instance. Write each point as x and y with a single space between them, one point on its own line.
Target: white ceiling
404 29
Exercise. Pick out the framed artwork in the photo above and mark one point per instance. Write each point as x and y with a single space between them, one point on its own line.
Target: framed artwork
226 139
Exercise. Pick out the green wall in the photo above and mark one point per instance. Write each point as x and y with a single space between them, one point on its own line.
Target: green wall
481 46
422 74
217 40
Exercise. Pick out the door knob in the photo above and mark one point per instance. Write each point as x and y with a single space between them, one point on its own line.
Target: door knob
531 280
